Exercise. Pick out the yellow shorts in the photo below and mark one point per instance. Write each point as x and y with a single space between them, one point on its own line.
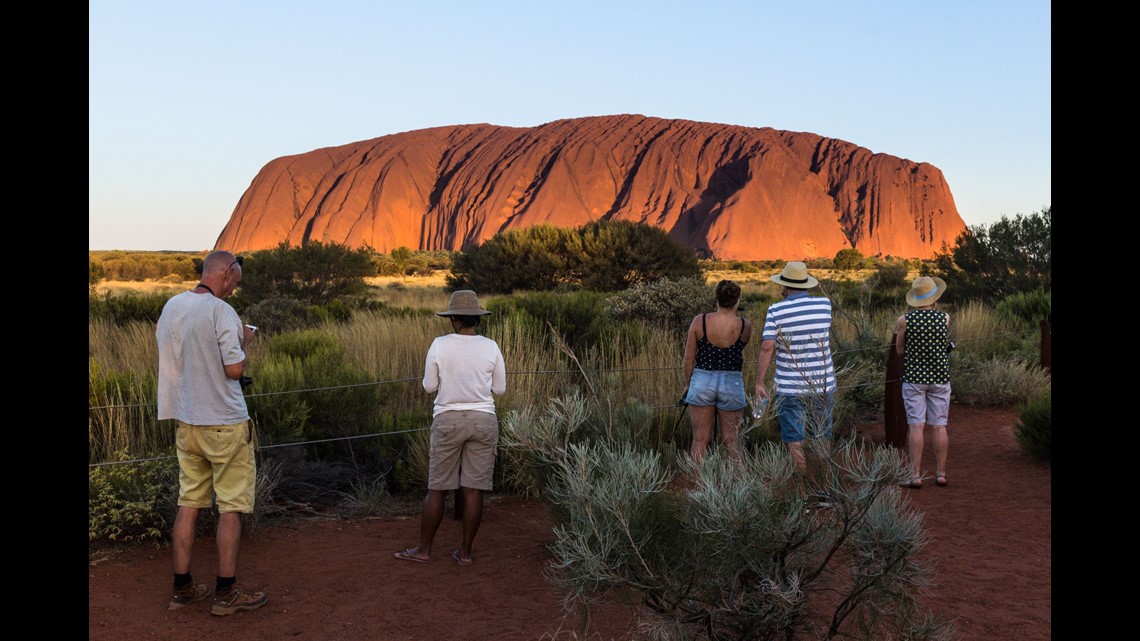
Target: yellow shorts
216 461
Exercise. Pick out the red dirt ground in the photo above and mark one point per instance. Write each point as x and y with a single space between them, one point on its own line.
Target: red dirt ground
990 547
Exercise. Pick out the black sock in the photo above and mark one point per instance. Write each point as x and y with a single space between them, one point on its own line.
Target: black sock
224 582
182 580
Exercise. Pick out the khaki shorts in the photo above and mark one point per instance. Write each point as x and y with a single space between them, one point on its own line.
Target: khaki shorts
463 447
216 461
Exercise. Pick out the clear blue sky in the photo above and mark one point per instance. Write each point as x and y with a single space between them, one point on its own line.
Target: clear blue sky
189 100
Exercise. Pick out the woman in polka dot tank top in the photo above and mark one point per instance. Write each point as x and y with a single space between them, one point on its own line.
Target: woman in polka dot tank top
714 357
922 336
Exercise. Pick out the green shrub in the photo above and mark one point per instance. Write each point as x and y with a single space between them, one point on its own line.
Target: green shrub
1026 309
579 317
314 273
126 307
731 553
891 275
1034 429
280 314
849 259
669 302
999 382
338 401
131 501
604 255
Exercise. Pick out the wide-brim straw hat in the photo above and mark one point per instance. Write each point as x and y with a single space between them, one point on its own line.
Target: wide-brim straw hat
795 275
463 302
925 290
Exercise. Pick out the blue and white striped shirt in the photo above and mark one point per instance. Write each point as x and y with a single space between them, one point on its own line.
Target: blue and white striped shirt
801 326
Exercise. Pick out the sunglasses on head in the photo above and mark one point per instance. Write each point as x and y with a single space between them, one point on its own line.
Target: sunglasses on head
237 261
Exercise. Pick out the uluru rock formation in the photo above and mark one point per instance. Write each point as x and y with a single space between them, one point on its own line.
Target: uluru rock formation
727 191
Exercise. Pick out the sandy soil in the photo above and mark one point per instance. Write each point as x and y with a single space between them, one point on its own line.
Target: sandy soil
990 547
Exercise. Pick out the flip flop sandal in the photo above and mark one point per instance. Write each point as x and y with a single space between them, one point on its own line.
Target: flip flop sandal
408 555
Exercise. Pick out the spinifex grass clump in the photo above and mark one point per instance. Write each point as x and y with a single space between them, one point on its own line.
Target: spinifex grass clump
729 550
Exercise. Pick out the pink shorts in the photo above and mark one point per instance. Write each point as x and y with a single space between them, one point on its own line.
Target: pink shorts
926 403
463 448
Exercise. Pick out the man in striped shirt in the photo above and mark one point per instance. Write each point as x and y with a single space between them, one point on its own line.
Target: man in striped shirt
798 331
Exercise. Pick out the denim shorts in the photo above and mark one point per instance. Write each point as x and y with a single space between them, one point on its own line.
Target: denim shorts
926 403
803 415
722 389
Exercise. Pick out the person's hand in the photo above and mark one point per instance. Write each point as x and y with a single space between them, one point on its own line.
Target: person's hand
761 391
247 334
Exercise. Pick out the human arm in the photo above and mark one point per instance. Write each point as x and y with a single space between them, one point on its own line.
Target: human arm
431 370
690 350
226 335
763 359
499 375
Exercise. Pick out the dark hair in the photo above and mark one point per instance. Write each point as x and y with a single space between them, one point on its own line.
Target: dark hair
467 321
727 293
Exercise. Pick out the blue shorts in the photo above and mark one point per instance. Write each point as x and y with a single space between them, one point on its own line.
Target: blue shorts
813 411
722 389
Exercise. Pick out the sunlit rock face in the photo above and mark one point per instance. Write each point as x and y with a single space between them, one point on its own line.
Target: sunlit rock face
729 192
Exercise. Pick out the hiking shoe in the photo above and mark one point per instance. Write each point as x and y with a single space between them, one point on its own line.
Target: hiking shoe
237 598
189 594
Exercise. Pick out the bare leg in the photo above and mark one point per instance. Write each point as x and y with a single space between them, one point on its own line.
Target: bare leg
229 539
183 537
797 451
730 431
914 444
702 430
429 521
941 444
472 516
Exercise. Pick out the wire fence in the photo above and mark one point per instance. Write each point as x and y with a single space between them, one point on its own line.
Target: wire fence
890 418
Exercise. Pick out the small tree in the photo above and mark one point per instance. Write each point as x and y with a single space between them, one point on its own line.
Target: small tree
536 258
992 262
314 273
849 259
617 254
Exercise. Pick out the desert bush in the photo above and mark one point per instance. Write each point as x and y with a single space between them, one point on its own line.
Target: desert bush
1026 309
340 399
126 307
315 273
1005 258
998 382
737 556
604 255
668 302
849 259
1034 428
146 265
538 258
131 501
579 317
891 275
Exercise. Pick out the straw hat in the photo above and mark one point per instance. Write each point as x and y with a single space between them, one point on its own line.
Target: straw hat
795 275
463 302
925 290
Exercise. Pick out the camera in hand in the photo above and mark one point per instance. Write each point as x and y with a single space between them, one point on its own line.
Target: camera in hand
245 381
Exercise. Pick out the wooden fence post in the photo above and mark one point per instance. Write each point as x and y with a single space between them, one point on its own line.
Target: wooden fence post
1046 346
894 413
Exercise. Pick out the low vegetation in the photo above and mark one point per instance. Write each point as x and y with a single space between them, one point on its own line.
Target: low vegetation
593 350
